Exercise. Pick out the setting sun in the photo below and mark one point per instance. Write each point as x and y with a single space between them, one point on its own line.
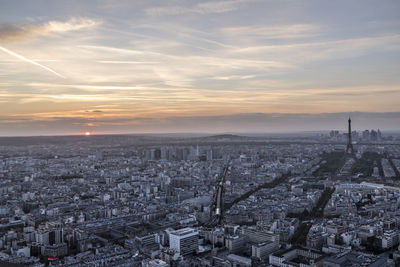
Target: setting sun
87 133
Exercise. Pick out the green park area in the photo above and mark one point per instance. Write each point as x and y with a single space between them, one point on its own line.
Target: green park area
332 162
365 165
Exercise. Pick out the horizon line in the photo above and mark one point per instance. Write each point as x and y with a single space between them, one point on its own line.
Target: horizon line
242 134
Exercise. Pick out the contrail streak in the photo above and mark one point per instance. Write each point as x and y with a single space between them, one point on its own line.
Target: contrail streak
29 61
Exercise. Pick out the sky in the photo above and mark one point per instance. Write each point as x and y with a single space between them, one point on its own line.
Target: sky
123 66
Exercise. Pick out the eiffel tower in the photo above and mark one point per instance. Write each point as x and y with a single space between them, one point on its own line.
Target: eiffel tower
349 148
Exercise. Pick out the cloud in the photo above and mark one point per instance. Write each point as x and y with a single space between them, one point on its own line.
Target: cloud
89 87
179 70
73 24
239 123
29 61
112 49
272 32
253 96
219 6
201 8
234 77
10 33
324 50
126 62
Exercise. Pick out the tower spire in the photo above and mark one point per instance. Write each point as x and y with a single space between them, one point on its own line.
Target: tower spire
349 148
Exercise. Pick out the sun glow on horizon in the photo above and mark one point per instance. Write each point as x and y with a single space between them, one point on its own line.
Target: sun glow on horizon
88 133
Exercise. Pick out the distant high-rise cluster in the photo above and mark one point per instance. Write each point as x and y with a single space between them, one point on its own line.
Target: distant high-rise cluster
364 136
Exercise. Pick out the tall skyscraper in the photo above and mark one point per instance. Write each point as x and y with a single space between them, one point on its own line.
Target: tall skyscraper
349 148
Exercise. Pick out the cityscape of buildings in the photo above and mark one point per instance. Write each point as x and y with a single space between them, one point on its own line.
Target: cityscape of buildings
223 200
199 133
